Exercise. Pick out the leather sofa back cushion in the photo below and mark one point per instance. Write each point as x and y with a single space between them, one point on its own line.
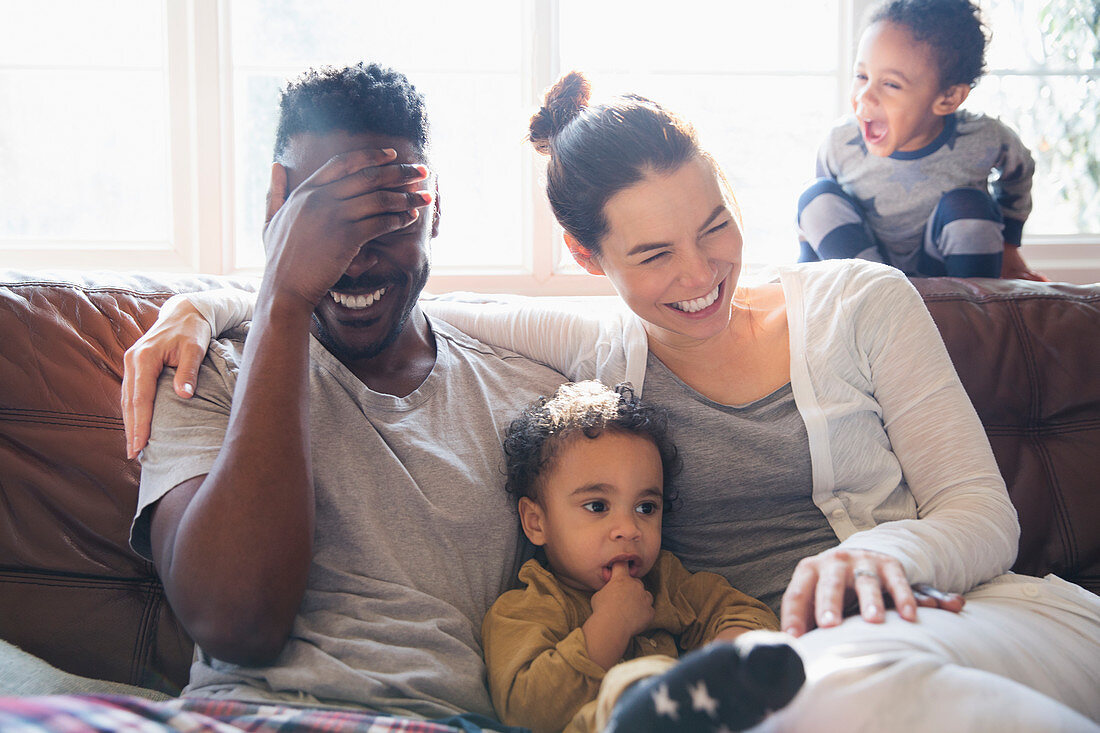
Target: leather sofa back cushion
71 590
1028 355
73 593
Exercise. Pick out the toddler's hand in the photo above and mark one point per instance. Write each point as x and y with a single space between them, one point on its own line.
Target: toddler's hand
621 610
627 599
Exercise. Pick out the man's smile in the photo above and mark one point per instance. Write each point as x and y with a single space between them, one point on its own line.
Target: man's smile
359 301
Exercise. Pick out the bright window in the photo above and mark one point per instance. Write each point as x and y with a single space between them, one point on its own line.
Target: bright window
760 112
137 134
1044 65
84 132
469 65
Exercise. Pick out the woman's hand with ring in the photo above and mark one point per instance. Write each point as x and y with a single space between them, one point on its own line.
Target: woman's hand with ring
823 584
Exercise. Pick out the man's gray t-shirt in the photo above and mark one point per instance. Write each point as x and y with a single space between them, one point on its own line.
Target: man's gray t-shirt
415 536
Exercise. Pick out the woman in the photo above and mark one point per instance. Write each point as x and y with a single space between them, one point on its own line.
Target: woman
819 407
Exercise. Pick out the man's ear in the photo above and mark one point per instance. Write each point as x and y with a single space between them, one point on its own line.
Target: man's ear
435 208
276 191
950 99
532 520
584 256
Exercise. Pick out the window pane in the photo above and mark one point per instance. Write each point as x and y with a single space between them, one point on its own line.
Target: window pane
714 36
1036 48
84 155
84 134
1029 35
478 127
767 158
1059 126
79 33
482 36
467 64
759 110
767 152
255 98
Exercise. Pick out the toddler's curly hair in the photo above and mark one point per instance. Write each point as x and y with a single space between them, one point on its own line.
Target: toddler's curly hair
582 409
953 28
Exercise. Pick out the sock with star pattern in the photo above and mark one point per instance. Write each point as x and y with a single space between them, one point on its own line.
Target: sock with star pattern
723 687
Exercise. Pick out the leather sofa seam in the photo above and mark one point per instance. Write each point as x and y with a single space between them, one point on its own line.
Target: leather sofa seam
1008 297
53 284
1057 500
16 576
1041 428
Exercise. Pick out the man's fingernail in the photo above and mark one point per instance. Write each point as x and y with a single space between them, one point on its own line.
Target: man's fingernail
188 388
390 152
871 611
828 618
792 630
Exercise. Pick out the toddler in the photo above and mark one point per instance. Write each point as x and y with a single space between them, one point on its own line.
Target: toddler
905 180
590 470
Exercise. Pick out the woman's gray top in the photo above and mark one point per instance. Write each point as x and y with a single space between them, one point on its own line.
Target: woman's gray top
746 476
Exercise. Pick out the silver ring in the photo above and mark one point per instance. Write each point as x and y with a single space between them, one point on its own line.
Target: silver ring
864 573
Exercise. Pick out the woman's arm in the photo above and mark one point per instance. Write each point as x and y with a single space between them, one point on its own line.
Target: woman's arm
179 338
596 339
602 342
223 309
514 323
966 531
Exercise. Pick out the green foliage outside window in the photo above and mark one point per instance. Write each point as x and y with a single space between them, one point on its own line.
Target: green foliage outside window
1070 146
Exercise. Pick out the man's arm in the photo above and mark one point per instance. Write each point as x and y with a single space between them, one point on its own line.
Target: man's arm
233 548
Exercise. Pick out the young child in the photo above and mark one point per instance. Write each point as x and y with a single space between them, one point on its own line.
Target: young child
906 179
590 468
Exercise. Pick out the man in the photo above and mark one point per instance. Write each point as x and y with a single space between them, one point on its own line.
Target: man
327 512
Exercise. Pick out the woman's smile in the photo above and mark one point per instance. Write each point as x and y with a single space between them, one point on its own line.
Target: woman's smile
700 307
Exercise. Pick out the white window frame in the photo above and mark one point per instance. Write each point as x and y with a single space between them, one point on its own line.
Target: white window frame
203 232
1070 257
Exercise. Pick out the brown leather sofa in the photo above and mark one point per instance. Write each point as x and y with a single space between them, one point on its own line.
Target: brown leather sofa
73 593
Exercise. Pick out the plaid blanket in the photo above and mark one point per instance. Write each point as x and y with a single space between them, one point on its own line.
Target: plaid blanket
92 713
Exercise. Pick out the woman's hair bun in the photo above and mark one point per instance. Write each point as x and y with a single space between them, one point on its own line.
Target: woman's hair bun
563 102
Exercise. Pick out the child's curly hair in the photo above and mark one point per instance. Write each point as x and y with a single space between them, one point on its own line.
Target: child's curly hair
582 408
953 29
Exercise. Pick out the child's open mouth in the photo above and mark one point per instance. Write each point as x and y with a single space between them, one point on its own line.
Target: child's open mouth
874 131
